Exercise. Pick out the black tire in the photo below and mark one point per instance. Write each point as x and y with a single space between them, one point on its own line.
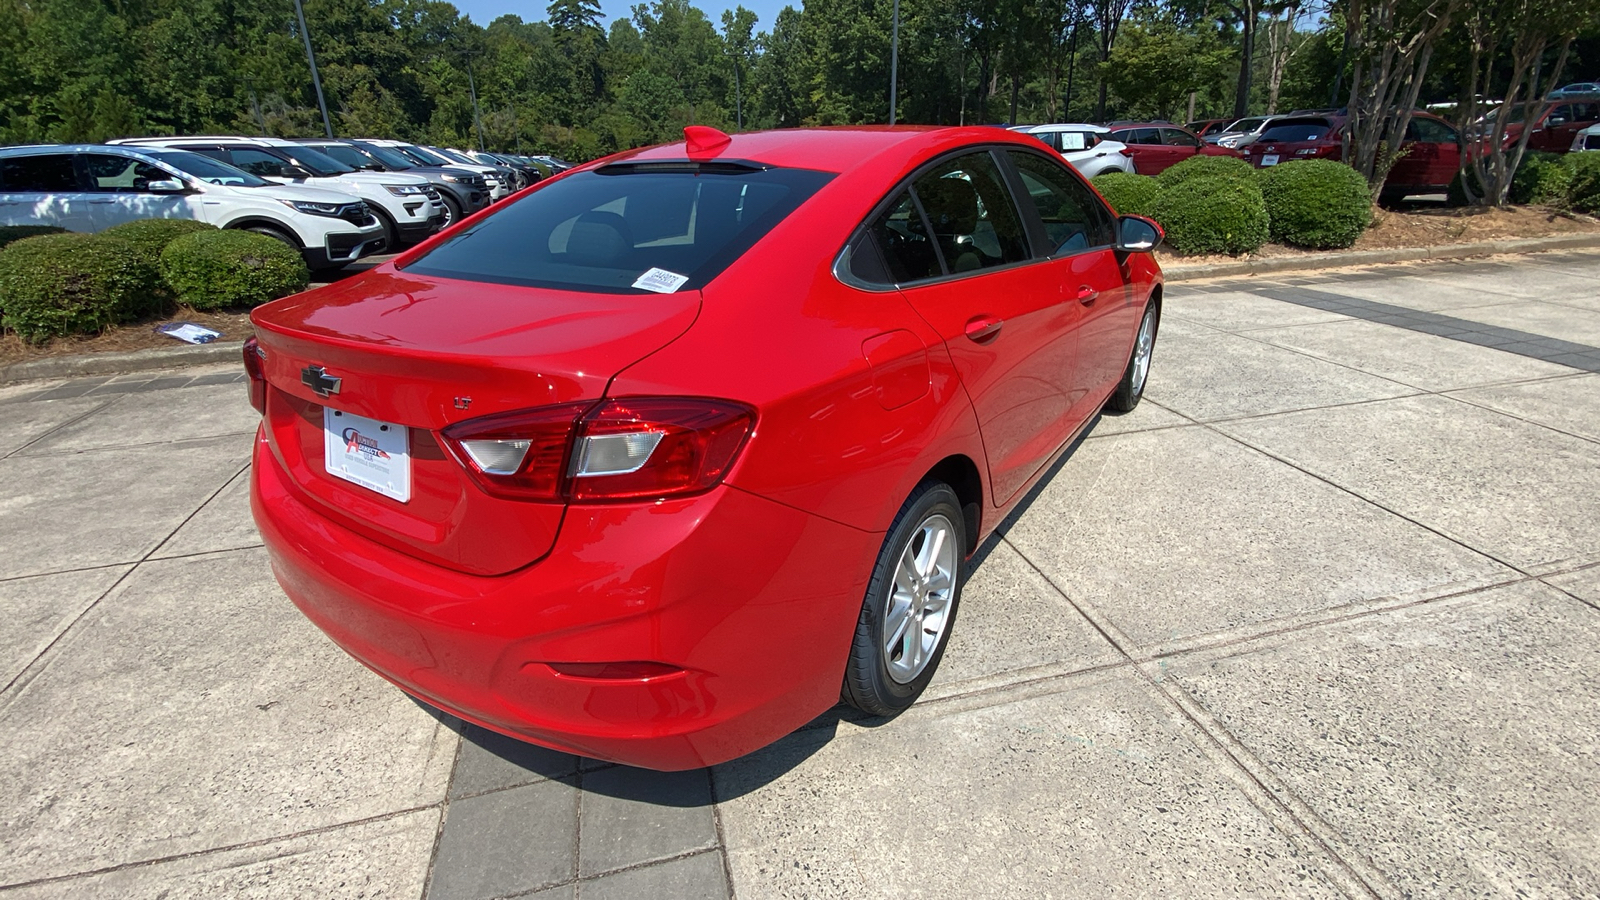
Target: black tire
452 210
869 684
276 234
391 234
1131 388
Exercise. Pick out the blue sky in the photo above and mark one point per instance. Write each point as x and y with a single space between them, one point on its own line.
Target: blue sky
485 11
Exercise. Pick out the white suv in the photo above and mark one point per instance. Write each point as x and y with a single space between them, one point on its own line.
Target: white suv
91 187
1089 148
407 205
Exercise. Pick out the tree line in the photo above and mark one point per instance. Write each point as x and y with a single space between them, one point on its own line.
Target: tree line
90 70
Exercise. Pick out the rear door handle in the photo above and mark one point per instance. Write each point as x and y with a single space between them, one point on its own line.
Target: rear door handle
1087 295
983 329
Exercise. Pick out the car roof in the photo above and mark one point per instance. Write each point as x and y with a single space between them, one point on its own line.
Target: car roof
1039 129
209 138
829 149
18 149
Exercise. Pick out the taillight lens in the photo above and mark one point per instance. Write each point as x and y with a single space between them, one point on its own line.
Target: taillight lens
253 355
622 449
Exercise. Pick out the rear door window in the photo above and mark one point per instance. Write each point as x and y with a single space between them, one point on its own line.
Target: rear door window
46 173
119 174
971 213
1174 137
1429 131
896 247
604 230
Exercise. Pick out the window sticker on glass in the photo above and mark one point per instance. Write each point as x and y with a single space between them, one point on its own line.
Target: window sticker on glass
661 281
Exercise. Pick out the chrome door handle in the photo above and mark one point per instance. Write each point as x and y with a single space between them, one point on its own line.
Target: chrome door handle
983 329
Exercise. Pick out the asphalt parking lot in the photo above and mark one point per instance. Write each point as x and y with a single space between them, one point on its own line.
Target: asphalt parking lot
1320 618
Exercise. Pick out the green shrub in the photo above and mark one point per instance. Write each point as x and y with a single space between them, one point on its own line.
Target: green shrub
55 285
1583 189
1212 215
153 235
218 269
1315 203
10 233
1129 195
1542 178
1200 166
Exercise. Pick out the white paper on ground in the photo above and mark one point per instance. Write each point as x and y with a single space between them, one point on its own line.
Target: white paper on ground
188 331
661 281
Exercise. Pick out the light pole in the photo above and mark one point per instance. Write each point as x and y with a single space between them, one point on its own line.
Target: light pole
472 88
894 61
316 80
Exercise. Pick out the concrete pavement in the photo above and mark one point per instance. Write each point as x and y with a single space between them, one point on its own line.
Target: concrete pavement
1320 618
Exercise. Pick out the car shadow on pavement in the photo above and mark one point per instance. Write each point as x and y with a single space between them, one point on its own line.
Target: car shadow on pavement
489 761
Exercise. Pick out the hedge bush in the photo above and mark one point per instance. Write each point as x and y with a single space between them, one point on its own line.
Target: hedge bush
12 233
153 235
1213 215
1129 195
1318 204
55 285
1200 166
1583 188
218 269
1542 178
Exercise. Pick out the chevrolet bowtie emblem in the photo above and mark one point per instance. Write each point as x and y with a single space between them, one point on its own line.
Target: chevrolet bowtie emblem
318 379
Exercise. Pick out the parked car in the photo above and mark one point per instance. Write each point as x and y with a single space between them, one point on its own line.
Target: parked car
578 485
493 177
91 187
1155 146
461 192
1240 133
1586 140
527 173
1431 160
506 174
1578 89
1203 128
1085 146
406 205
1557 126
557 164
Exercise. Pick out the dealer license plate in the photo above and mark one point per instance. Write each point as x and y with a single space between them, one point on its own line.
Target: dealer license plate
1269 160
375 455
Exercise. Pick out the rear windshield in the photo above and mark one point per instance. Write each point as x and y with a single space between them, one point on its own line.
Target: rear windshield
1296 131
605 230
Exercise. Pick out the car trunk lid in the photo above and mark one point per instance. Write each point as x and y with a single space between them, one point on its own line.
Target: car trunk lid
421 353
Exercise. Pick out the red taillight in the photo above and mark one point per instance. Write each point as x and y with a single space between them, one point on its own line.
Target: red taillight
623 449
253 354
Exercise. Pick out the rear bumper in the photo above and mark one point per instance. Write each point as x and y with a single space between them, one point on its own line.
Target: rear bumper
754 601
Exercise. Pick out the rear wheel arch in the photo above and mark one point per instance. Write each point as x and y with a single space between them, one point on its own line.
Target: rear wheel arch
962 475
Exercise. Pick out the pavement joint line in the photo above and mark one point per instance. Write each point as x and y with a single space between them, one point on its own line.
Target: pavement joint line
722 840
111 565
444 813
168 539
29 672
1320 845
581 880
209 851
1545 425
49 431
147 445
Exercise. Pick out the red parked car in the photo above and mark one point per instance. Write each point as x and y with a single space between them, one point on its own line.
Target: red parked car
659 459
1203 127
1557 126
1432 158
1156 146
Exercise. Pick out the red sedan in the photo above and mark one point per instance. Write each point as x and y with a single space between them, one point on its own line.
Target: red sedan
658 460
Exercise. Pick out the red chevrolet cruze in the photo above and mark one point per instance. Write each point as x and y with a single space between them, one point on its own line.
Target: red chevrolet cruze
660 459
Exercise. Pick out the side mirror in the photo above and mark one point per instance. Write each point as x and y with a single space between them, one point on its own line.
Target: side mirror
1556 120
1137 234
166 186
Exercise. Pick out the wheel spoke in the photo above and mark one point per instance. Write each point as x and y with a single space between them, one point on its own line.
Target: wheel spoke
906 576
938 582
929 559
